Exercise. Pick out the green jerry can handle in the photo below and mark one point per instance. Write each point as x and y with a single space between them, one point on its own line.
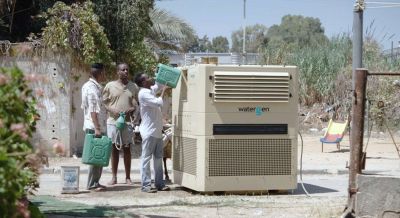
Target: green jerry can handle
120 123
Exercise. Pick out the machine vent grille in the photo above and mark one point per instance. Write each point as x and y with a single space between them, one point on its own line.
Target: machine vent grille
249 157
251 87
184 155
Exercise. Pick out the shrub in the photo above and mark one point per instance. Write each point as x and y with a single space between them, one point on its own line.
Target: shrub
76 28
19 165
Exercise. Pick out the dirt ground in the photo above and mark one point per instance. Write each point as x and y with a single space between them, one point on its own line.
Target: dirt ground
324 175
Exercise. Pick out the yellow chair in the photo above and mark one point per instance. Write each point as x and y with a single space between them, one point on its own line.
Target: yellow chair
334 134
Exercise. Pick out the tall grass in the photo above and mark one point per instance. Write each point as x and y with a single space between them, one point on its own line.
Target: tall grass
326 70
319 66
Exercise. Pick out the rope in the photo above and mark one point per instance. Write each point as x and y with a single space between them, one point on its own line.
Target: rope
120 140
390 133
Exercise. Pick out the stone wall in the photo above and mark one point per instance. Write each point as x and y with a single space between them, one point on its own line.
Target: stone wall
59 107
378 196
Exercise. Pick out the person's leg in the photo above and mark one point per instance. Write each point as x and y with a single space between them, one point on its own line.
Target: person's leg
112 134
157 160
165 168
94 176
90 182
127 141
127 163
114 164
147 151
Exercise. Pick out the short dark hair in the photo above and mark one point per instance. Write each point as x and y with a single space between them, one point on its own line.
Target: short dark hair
139 78
98 66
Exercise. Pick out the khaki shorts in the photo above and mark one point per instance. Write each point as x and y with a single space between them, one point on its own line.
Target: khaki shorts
126 135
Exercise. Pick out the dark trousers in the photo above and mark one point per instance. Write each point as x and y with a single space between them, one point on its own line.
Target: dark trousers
94 171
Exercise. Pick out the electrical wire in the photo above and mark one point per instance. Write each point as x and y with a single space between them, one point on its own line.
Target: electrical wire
386 6
301 167
384 3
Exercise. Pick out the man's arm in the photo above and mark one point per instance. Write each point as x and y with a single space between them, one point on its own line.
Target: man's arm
94 108
97 130
149 100
106 101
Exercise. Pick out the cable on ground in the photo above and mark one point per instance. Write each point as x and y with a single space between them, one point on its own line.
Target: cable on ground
301 167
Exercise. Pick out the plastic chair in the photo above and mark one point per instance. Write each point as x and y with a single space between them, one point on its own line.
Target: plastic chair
334 134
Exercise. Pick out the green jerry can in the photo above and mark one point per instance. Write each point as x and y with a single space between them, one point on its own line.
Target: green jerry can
167 75
96 151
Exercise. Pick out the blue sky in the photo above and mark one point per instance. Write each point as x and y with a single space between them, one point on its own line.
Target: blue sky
221 17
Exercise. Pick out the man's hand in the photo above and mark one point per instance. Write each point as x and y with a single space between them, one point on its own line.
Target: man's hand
130 110
97 133
114 112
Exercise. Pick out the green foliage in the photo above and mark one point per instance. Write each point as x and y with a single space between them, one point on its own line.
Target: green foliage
204 44
76 28
17 123
190 44
296 31
141 59
220 44
126 23
255 38
168 31
319 66
326 73
21 18
382 88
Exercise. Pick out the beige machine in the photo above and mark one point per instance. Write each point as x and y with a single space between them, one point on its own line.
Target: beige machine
235 128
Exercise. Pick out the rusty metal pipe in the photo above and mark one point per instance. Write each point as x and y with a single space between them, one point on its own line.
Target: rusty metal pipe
357 131
384 74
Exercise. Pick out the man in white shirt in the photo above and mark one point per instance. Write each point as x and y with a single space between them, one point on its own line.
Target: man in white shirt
150 130
94 118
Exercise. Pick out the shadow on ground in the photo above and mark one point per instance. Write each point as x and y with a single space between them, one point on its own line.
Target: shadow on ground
312 189
342 150
51 207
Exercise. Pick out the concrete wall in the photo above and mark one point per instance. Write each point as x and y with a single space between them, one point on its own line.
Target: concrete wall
61 117
378 196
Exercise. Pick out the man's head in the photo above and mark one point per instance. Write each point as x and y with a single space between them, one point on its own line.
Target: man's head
123 72
143 80
96 70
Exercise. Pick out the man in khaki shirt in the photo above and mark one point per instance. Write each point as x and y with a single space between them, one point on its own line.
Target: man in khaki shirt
121 96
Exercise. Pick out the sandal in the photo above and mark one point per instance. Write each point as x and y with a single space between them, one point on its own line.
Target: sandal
112 182
99 189
128 182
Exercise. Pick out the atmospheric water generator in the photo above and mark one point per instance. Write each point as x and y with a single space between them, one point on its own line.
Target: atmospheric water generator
235 128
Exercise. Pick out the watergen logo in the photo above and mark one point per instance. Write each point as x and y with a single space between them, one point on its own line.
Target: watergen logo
258 110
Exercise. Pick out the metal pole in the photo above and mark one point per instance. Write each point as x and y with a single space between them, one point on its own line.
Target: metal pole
357 36
244 32
357 132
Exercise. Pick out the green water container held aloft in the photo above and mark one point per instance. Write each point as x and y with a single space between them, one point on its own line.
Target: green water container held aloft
167 75
96 151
